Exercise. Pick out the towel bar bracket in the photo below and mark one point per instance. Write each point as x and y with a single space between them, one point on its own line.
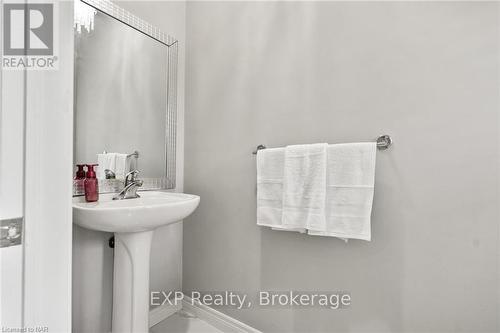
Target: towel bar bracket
383 143
259 147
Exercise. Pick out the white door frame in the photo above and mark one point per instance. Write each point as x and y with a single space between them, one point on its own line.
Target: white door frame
11 188
48 157
48 212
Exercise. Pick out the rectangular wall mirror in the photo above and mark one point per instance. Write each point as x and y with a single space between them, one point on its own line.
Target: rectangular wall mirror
125 92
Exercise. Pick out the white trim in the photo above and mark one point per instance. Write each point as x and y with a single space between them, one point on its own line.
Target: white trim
48 167
216 318
162 312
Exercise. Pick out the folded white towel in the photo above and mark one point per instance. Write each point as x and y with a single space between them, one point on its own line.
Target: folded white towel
301 230
349 194
270 167
304 188
105 161
122 165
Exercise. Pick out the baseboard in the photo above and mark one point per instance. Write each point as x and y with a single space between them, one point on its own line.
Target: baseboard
213 317
216 318
162 312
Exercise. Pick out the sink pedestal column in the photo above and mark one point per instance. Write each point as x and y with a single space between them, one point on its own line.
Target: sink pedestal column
131 282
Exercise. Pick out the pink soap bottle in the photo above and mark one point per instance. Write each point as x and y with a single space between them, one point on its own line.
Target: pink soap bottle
91 184
79 179
80 173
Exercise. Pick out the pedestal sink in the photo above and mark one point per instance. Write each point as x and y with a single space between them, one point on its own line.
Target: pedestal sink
133 222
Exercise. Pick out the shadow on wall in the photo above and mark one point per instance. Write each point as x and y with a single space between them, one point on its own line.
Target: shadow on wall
92 281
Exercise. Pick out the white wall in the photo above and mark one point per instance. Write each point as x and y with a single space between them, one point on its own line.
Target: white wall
281 73
92 258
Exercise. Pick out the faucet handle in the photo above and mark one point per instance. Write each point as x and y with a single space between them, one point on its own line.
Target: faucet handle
109 174
130 177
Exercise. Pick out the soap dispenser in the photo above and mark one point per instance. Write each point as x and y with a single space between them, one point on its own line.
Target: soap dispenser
79 179
91 184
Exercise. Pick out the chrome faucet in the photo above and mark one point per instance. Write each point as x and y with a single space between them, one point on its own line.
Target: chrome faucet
131 185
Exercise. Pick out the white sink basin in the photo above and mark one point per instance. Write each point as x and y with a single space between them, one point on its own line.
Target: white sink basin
150 211
133 221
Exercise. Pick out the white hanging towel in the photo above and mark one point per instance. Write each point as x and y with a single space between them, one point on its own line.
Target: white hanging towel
349 191
304 191
122 166
118 163
105 161
270 167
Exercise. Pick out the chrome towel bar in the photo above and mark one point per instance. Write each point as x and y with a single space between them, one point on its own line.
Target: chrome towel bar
383 143
134 154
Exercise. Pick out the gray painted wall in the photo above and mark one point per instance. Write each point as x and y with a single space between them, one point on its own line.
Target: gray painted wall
92 258
287 73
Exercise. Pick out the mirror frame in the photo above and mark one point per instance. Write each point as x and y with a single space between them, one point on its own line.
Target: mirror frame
109 8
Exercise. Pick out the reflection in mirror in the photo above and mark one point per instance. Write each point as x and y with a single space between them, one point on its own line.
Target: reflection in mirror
122 78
